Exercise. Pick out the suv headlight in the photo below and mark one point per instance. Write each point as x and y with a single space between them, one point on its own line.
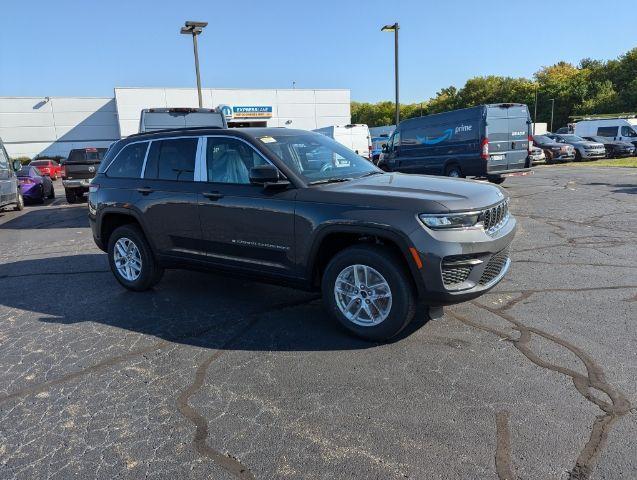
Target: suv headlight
450 220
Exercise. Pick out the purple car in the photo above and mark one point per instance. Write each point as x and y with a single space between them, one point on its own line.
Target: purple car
35 186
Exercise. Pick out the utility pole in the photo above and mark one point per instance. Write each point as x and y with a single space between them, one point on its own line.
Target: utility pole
394 28
535 112
195 29
552 110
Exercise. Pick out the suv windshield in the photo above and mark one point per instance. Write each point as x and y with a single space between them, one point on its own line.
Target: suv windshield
317 158
571 138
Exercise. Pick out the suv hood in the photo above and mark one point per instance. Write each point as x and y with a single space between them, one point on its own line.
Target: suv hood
418 193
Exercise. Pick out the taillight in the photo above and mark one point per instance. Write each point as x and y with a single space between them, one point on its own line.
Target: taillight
530 144
484 149
93 187
62 171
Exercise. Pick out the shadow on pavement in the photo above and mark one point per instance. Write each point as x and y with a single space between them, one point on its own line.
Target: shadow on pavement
200 309
628 188
49 217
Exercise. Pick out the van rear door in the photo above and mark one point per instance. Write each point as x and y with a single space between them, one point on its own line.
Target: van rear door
508 130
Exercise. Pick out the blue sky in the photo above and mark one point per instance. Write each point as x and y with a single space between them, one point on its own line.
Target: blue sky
86 48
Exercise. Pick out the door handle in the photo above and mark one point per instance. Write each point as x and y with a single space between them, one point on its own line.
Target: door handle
213 195
145 190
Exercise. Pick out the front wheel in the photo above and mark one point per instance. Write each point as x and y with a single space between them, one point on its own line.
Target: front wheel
578 156
367 290
131 259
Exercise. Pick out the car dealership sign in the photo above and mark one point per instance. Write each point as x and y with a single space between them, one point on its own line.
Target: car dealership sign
252 112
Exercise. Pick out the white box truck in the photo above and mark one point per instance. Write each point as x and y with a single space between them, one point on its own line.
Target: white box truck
356 137
621 129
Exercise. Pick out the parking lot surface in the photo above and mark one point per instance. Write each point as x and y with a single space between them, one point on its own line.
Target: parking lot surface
213 377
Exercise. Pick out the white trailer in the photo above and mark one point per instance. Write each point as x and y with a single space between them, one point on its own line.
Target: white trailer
622 129
356 137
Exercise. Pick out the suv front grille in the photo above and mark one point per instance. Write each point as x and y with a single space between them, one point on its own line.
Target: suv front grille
494 266
495 217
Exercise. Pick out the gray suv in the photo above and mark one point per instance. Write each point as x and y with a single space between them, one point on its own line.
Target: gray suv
584 149
299 209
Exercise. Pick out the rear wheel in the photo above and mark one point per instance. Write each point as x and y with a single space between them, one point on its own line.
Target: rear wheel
453 170
52 192
19 204
41 195
131 259
70 195
496 180
367 290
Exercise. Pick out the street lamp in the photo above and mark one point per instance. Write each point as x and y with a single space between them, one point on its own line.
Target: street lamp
394 28
552 110
194 29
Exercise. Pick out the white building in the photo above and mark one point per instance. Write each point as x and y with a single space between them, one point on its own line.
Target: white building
31 126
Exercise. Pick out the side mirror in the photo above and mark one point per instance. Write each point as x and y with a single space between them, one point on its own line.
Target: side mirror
262 174
17 165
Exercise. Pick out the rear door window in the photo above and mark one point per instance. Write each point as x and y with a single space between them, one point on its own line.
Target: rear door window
129 161
172 159
607 131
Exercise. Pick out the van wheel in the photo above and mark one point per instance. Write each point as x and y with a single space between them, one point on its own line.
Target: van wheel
496 180
366 289
131 259
454 171
19 204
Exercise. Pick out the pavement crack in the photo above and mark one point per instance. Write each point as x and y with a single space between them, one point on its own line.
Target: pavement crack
618 406
229 463
503 449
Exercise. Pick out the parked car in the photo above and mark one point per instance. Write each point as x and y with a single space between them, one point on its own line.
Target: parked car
47 167
153 119
491 141
537 155
34 185
10 194
553 150
248 202
620 129
356 137
78 169
614 148
584 150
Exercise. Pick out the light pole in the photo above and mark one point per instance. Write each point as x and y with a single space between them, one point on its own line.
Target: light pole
552 110
535 112
194 29
394 28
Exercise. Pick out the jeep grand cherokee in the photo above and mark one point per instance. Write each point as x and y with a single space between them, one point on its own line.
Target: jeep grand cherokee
296 208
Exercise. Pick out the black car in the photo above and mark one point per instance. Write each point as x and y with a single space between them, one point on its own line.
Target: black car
78 169
614 148
553 150
296 208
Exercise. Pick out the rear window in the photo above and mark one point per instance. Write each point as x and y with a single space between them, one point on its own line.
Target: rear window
129 161
79 155
607 131
172 159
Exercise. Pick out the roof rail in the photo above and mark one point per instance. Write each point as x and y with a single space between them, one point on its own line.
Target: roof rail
176 129
603 116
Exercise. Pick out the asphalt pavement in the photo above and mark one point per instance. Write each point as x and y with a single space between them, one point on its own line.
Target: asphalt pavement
212 377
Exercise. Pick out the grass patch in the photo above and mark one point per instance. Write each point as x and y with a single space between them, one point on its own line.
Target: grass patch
608 162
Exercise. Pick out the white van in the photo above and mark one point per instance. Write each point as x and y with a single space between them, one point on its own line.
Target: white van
153 119
622 129
356 137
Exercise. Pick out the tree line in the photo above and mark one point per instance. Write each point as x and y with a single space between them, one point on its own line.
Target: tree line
591 87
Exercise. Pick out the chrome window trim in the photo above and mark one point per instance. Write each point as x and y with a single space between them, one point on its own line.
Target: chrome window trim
124 148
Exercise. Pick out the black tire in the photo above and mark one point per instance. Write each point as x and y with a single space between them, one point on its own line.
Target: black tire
496 180
70 195
390 266
19 204
52 192
151 271
578 156
40 199
453 170
549 157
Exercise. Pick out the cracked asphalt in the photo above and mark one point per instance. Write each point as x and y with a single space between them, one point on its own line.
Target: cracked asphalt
213 377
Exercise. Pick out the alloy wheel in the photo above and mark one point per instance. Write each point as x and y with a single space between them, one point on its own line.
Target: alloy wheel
363 295
128 259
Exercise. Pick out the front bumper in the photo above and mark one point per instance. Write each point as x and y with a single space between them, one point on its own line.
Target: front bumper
593 154
460 265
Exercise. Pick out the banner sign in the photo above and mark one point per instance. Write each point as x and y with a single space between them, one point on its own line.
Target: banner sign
252 112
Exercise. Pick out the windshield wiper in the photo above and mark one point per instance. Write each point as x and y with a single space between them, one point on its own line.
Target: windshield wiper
329 180
369 174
